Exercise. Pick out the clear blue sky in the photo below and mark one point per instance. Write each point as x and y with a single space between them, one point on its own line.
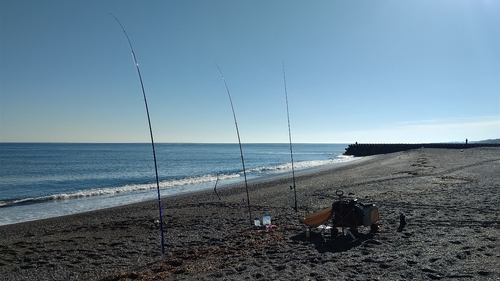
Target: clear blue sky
365 71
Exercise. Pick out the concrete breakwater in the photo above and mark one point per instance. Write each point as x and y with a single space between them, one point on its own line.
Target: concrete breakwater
366 149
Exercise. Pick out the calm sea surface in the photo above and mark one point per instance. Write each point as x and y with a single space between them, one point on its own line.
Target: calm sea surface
42 180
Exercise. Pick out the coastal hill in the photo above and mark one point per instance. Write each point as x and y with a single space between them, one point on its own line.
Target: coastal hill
487 141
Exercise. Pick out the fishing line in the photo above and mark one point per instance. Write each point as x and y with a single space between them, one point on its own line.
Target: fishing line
215 187
239 141
150 133
290 137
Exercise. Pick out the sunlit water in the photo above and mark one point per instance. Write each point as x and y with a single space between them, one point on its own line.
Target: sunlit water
42 180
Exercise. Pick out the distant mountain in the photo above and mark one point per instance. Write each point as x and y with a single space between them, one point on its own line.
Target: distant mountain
487 141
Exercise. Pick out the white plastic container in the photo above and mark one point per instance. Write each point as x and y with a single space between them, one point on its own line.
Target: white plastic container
266 220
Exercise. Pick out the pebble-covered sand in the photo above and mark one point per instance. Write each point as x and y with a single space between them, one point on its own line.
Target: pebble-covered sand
450 197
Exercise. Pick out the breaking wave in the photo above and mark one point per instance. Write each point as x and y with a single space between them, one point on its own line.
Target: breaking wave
187 181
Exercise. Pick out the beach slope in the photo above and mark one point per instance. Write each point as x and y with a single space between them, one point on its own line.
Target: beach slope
451 200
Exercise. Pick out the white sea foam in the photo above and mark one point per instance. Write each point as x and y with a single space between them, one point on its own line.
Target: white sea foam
303 165
194 182
19 210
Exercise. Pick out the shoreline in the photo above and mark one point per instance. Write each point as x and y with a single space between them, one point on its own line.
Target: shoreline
450 199
200 193
113 202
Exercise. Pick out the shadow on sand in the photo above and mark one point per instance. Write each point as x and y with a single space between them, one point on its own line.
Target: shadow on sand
324 242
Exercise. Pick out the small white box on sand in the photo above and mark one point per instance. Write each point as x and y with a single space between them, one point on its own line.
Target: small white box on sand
266 220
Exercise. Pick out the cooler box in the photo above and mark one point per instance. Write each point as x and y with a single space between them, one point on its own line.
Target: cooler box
370 212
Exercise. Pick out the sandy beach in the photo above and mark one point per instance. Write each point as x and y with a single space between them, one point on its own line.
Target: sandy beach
450 197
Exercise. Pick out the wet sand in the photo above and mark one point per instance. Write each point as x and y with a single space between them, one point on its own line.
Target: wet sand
451 199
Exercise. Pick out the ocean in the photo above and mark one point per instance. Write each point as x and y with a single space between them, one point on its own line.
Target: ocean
43 180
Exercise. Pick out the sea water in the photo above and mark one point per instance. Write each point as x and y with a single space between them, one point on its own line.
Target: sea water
43 180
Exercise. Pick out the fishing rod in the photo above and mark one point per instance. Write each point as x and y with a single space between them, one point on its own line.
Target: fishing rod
215 187
290 137
239 141
150 133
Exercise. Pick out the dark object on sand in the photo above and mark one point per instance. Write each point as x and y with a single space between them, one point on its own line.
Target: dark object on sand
402 222
348 213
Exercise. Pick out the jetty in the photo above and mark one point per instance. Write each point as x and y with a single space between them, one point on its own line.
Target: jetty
366 149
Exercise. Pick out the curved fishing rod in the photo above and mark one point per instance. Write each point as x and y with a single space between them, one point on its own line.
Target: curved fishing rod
239 141
215 187
150 133
290 137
